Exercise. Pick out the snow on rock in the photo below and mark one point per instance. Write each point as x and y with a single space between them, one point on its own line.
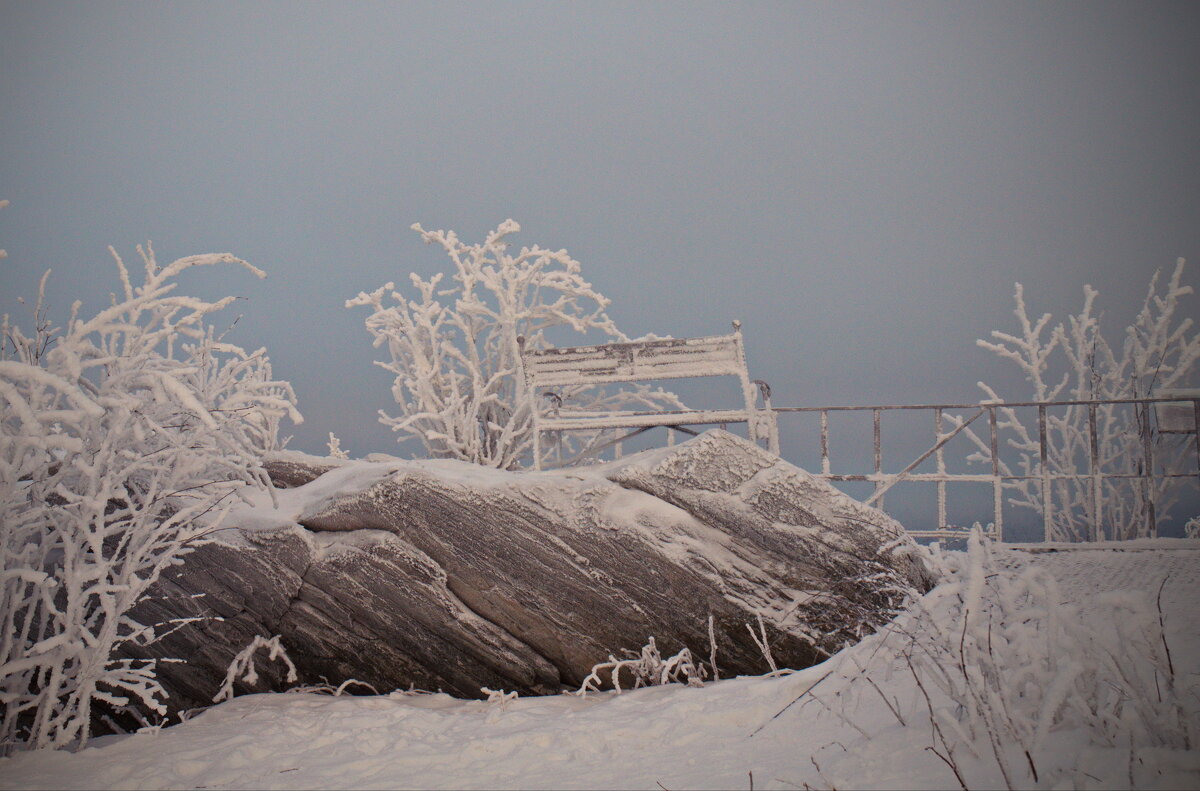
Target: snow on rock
442 575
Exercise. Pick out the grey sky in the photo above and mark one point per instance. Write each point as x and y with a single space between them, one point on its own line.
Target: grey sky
860 183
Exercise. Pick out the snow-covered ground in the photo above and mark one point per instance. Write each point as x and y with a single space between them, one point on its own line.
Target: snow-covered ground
858 720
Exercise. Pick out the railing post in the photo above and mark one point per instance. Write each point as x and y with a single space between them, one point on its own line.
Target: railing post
825 469
1097 494
1044 470
997 482
1196 433
878 457
1147 471
941 469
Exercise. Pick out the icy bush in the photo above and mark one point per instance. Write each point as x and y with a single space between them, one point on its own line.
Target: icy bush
454 352
1073 361
123 439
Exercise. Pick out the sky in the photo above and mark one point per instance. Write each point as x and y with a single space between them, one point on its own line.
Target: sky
859 183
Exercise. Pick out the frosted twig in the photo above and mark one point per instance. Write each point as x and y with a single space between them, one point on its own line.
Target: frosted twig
761 642
242 665
1095 455
498 696
647 668
712 650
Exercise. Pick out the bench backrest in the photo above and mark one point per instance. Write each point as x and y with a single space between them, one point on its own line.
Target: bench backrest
639 361
715 355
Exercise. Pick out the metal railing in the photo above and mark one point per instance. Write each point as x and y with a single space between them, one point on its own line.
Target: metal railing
1000 476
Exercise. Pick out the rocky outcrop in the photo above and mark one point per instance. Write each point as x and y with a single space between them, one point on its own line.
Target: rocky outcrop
442 575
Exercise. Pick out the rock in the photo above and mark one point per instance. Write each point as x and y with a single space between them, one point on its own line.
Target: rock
444 575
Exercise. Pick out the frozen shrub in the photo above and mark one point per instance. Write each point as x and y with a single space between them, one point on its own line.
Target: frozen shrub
123 439
1074 361
454 353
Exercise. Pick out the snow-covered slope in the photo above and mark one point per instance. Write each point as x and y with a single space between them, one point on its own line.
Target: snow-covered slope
838 724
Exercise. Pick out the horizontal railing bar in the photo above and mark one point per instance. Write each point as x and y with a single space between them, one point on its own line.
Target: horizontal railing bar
601 377
934 477
984 405
653 419
570 415
988 404
702 341
673 356
940 406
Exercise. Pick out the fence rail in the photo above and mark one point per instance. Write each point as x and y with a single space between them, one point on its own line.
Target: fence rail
1001 477
1174 413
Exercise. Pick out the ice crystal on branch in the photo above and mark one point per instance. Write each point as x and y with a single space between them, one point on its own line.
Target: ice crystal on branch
453 346
123 439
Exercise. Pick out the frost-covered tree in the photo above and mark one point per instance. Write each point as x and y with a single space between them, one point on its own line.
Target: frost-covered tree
123 440
454 351
1072 361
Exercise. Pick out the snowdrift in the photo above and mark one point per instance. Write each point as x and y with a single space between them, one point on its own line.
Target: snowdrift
447 576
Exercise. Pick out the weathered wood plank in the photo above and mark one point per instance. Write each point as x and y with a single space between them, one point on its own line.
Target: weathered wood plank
635 362
639 361
699 417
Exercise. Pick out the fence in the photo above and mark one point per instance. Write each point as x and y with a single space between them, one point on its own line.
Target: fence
1114 452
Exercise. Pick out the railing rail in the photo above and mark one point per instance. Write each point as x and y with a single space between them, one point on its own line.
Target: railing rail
999 475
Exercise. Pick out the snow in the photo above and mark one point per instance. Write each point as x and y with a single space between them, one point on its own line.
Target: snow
827 726
270 511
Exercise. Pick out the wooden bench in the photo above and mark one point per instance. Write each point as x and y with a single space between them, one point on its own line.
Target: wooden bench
615 363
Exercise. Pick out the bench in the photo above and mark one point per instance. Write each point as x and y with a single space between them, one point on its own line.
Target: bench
640 361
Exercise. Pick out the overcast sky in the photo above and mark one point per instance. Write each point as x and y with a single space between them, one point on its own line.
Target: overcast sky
859 183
